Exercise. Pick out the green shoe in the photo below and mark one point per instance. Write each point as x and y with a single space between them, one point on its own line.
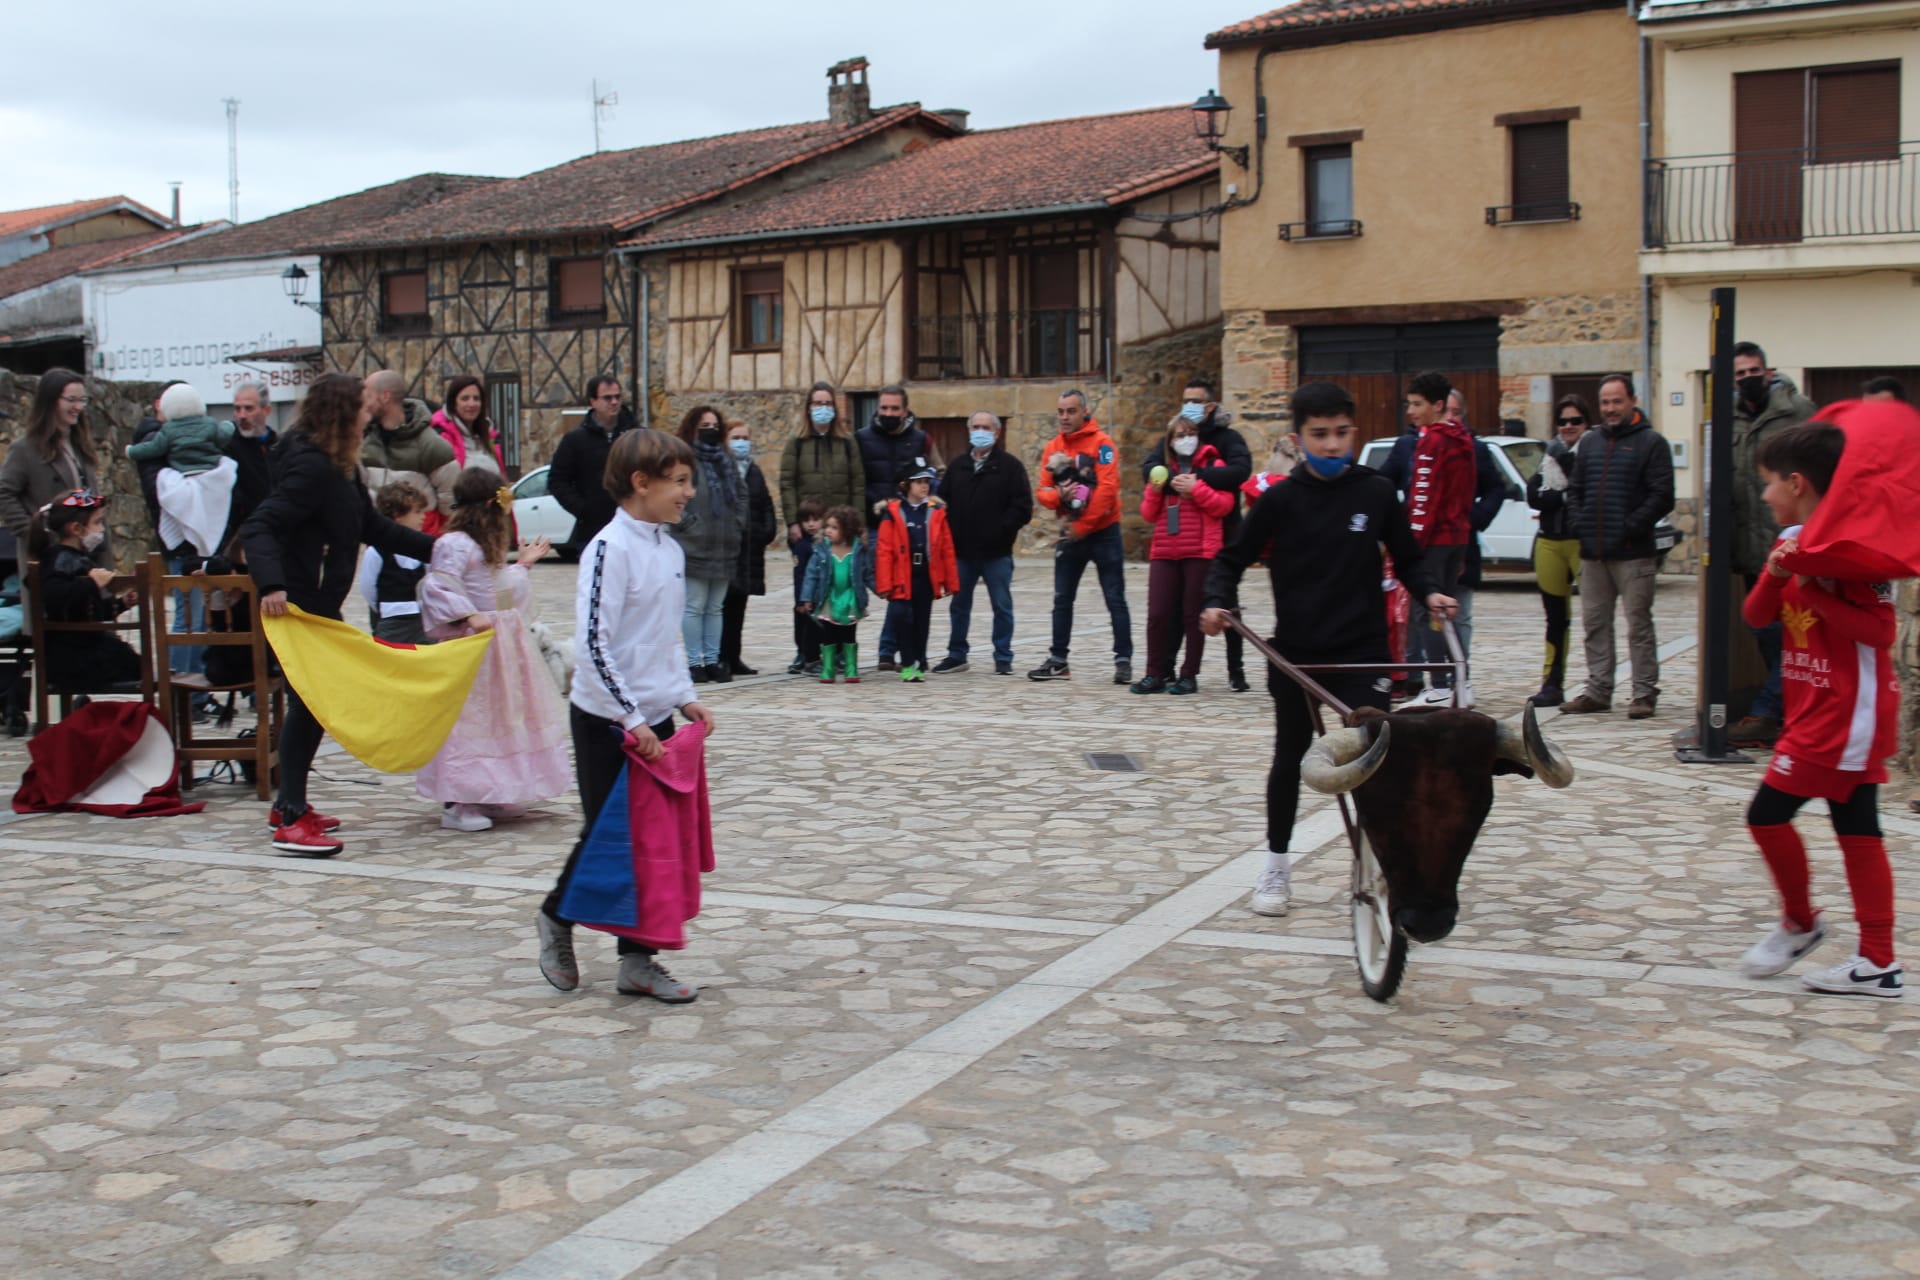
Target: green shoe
850 662
829 655
912 674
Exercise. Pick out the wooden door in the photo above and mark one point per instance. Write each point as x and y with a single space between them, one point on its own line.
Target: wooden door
1053 300
1769 143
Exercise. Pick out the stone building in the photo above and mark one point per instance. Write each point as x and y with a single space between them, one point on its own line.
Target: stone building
1444 186
516 282
989 272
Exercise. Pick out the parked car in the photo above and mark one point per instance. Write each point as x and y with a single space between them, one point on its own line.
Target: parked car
540 515
1508 542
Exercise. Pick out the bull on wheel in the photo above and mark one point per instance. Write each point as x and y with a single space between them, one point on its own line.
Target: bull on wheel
1414 788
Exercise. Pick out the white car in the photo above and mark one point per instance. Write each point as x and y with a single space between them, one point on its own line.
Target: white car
538 514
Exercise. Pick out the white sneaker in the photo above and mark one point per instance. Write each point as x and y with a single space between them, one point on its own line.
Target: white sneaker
464 817
1436 697
1858 977
1777 952
1273 891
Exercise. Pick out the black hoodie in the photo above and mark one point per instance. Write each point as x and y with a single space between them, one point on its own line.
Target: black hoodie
1322 542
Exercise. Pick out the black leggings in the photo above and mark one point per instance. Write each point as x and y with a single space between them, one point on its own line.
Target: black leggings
300 736
1293 734
597 761
1857 815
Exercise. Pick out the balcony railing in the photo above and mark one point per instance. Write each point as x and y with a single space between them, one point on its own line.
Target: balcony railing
1783 197
1042 343
1336 229
1507 215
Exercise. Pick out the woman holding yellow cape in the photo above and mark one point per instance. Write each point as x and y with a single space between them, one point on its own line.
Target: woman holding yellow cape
302 545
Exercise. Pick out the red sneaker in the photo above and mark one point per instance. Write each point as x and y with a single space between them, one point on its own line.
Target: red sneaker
307 837
326 823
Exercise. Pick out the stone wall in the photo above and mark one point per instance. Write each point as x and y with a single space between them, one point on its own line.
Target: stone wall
1257 371
1906 661
1580 333
114 411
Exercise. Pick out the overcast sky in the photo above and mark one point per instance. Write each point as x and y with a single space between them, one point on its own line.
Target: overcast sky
342 97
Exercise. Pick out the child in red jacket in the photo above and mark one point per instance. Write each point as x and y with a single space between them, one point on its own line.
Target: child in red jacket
1188 518
1842 719
1439 504
915 565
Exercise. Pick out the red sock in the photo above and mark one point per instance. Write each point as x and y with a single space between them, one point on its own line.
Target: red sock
1786 857
1870 876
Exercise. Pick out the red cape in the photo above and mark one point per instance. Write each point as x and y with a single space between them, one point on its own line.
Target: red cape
1867 528
115 758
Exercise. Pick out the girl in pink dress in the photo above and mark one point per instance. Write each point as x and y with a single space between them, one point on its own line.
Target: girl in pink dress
509 747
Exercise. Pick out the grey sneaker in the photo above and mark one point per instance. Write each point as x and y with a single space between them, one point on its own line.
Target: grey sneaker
641 975
1273 891
557 964
1051 669
1123 672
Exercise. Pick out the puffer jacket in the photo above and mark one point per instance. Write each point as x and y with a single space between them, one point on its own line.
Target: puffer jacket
415 453
1621 487
712 527
1233 465
188 445
1547 491
1190 527
1754 531
824 467
884 455
893 559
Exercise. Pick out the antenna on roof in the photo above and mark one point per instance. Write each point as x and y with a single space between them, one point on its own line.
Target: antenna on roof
603 104
176 202
233 159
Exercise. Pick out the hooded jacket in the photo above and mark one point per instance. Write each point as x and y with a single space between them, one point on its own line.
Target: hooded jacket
988 504
1622 484
1440 489
883 454
1190 527
1103 509
1753 528
458 440
892 563
818 579
822 466
188 445
412 452
576 475
1233 464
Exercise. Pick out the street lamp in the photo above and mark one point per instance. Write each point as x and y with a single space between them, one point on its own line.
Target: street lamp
1210 112
294 281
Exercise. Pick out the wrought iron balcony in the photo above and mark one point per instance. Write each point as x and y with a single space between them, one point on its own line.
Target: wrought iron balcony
1342 229
1042 343
1506 215
1783 197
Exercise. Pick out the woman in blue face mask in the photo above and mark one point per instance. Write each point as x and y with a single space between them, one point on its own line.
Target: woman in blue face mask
750 577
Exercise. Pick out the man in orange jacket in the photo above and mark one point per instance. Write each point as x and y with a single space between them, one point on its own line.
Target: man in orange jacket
1092 533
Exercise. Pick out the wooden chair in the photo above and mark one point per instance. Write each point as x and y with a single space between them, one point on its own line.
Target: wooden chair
46 631
177 692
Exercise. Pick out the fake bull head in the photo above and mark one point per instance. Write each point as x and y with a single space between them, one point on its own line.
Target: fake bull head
1422 783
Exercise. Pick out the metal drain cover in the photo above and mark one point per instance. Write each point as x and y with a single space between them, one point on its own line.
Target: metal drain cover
1113 762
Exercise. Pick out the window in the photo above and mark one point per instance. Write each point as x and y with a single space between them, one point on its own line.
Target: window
403 302
1330 190
757 307
577 289
1856 114
1539 155
1786 120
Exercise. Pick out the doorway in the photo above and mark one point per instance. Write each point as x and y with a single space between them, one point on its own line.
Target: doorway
1375 362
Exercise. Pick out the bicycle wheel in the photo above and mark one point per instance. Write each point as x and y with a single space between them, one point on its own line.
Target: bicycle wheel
1379 949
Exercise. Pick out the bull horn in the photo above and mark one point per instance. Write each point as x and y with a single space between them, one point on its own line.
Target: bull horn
1338 762
1523 743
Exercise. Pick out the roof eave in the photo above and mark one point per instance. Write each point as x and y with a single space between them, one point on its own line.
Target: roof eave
865 228
1416 22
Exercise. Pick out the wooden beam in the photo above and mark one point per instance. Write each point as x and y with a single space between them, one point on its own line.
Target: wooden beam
1552 115
1331 139
1408 313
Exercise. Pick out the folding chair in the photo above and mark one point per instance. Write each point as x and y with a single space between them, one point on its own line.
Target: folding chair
177 692
46 631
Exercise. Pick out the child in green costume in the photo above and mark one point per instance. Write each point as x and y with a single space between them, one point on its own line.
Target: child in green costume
834 593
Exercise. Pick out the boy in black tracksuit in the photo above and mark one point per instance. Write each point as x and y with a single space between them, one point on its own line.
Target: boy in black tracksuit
1321 532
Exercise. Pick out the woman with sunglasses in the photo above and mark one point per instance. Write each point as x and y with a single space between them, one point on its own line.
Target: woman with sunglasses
54 457
1556 549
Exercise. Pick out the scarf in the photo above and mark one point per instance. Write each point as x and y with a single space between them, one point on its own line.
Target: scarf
718 465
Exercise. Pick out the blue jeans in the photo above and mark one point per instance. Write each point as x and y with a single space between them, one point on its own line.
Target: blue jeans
189 614
1108 555
700 625
1768 702
998 575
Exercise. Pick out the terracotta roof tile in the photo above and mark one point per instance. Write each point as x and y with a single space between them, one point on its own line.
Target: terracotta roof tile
45 268
1309 14
290 232
616 191
1090 159
14 221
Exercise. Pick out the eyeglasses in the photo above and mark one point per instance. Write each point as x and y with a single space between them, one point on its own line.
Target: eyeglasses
82 401
1573 422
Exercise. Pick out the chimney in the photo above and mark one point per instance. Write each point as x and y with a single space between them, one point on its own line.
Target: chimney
955 116
176 202
848 102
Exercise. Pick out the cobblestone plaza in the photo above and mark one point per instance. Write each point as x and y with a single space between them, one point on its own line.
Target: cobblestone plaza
969 1008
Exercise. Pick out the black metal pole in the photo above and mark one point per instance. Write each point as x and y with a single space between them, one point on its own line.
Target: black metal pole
1715 559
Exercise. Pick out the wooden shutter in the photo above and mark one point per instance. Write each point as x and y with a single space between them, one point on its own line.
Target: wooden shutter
579 286
407 293
1856 114
1769 141
1539 170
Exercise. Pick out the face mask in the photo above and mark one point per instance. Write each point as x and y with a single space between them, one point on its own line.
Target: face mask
980 438
1186 445
709 435
1328 468
1194 413
741 448
1753 389
888 422
88 541
822 415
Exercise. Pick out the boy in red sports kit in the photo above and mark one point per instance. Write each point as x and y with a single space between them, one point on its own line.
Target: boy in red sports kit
1842 712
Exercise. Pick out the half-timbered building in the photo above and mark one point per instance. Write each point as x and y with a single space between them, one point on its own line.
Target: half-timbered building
988 272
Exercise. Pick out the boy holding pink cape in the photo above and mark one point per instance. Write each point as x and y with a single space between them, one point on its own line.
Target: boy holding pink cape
638 880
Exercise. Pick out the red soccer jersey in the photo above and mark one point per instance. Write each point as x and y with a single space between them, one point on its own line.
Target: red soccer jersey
1440 497
1836 678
